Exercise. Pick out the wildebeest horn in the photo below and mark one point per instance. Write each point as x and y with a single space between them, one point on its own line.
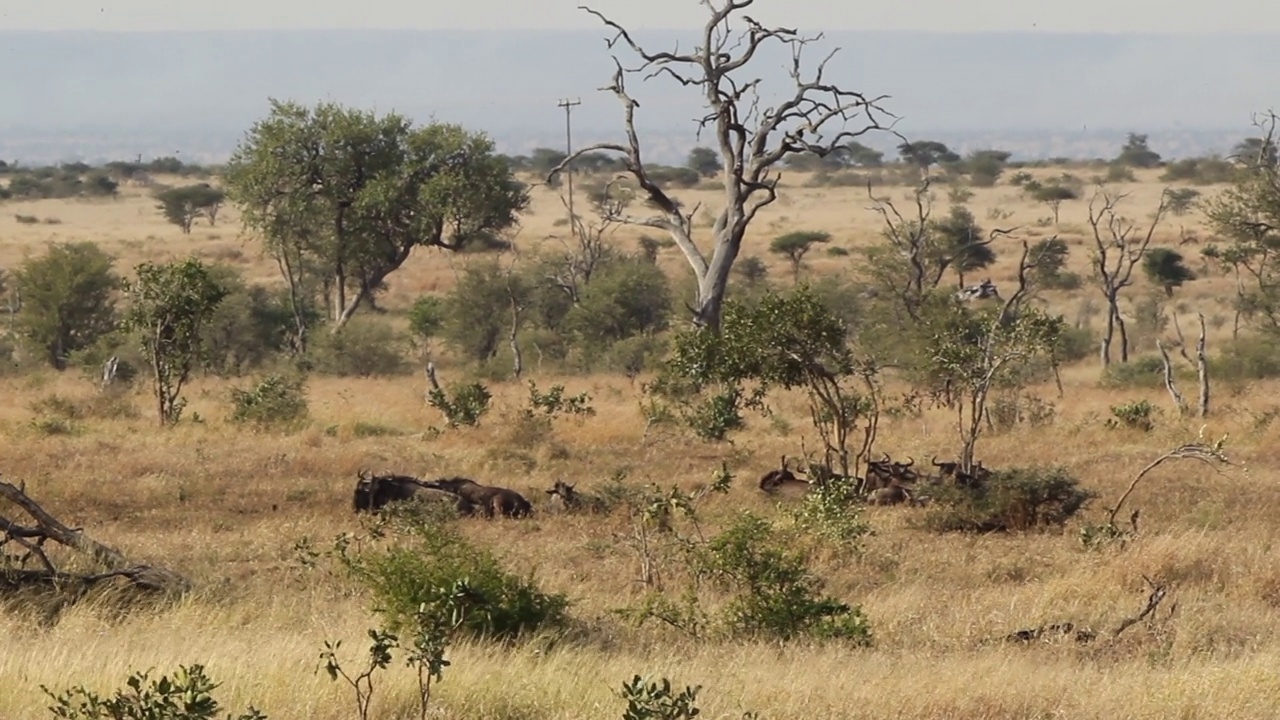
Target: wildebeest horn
935 462
886 458
909 464
363 474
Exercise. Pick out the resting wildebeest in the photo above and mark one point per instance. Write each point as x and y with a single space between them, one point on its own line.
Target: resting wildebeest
373 492
883 473
892 495
775 480
574 501
489 500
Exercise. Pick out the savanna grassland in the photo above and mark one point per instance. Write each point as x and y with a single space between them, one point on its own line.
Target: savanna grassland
227 505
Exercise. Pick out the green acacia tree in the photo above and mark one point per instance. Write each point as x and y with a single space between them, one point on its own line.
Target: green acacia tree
342 197
1247 216
788 341
169 307
67 299
182 205
795 245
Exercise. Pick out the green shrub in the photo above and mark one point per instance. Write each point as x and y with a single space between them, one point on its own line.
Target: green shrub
1251 357
828 511
774 592
429 566
1014 500
651 701
185 696
1146 371
364 348
1138 415
274 401
464 404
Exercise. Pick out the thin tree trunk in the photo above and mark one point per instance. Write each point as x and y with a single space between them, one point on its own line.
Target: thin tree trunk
1109 334
1124 337
1202 370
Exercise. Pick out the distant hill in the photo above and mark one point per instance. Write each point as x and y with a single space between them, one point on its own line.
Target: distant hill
85 95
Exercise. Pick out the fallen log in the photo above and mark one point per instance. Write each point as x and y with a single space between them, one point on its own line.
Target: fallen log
41 527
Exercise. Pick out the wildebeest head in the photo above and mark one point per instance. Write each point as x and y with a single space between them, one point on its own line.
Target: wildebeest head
945 469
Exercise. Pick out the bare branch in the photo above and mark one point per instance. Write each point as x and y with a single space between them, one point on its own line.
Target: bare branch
1199 450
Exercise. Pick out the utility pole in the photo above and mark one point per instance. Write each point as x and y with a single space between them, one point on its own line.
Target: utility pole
568 106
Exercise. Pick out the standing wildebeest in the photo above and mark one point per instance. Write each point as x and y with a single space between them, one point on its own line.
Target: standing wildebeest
574 501
490 500
373 492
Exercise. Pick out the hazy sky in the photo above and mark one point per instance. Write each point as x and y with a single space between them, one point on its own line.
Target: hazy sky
1160 16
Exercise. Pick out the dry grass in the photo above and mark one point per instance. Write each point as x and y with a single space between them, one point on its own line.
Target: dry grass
227 505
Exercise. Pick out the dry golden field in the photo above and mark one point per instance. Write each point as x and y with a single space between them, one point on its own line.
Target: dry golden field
226 506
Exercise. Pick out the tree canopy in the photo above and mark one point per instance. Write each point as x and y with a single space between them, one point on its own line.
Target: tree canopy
342 197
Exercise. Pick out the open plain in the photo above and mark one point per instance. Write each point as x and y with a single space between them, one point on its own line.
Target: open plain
227 506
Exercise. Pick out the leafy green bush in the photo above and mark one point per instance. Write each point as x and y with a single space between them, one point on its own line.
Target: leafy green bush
185 696
1146 371
651 701
1013 500
274 401
464 404
1138 415
828 511
1250 357
434 565
364 348
775 593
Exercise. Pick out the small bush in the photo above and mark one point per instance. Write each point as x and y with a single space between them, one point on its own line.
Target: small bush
464 404
1146 371
1138 415
1254 357
364 348
274 401
434 561
185 696
775 594
27 219
827 511
1014 500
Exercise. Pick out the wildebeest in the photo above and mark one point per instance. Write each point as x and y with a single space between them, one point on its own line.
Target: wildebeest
781 478
945 469
489 500
883 473
373 492
575 501
892 495
982 291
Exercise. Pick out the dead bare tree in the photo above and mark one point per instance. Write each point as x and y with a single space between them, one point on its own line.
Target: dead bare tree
1118 248
30 539
752 140
590 247
1200 363
1210 454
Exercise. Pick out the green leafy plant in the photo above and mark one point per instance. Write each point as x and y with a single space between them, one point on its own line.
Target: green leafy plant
465 403
435 566
274 401
187 695
1139 415
658 700
774 592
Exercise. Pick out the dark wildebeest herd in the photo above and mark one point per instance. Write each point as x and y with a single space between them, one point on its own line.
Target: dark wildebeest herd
888 482
373 492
